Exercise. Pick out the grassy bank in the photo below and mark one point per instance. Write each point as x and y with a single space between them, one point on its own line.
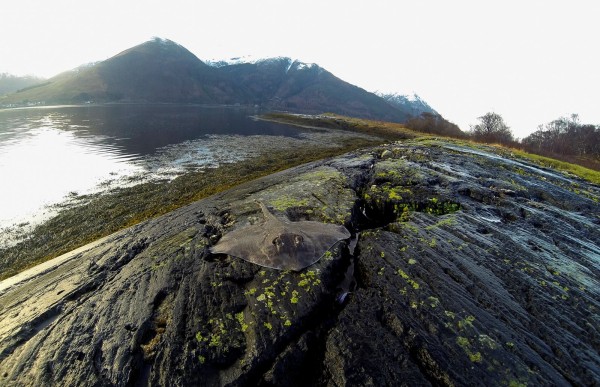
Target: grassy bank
583 168
387 130
577 170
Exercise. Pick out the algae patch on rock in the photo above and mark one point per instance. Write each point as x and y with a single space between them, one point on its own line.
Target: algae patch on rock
467 270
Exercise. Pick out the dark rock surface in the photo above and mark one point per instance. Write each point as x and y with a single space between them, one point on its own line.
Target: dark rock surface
465 268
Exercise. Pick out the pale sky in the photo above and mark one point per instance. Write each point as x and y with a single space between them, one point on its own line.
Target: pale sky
531 61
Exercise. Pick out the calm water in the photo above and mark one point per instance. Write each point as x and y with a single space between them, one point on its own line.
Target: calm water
48 155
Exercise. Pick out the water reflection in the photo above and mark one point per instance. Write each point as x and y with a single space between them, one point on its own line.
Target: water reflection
48 164
48 155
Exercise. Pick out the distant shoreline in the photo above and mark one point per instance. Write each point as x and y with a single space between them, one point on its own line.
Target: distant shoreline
94 104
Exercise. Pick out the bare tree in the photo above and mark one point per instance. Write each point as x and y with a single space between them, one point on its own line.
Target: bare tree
492 128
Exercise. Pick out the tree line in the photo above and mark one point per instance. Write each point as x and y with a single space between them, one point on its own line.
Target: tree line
564 138
435 124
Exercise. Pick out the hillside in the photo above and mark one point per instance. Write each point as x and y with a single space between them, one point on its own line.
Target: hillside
163 71
12 83
155 71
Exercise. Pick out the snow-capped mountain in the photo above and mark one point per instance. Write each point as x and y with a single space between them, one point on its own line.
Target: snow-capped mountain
249 59
412 103
163 71
233 61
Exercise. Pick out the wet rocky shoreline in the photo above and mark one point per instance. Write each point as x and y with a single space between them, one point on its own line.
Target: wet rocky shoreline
464 267
83 218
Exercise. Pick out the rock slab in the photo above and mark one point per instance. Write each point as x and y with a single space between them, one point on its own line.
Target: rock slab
465 267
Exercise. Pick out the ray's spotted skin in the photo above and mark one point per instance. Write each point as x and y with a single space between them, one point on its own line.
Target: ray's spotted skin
280 244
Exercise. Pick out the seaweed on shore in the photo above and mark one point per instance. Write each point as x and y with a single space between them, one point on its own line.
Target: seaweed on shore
125 207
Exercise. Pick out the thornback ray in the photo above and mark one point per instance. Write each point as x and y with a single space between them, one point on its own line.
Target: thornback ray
279 243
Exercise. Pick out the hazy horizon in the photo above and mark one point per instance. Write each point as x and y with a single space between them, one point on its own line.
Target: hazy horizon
529 62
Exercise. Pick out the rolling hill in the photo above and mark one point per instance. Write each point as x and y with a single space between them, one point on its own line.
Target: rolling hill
11 83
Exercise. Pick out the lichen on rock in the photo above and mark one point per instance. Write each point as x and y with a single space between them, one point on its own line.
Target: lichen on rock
469 268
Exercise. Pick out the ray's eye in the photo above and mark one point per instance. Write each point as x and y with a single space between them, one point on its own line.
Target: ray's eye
291 240
298 239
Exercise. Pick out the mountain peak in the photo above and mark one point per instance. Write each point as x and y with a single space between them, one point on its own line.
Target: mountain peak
160 70
159 46
163 41
411 101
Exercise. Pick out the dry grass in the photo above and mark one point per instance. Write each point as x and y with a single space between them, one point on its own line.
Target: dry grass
395 131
